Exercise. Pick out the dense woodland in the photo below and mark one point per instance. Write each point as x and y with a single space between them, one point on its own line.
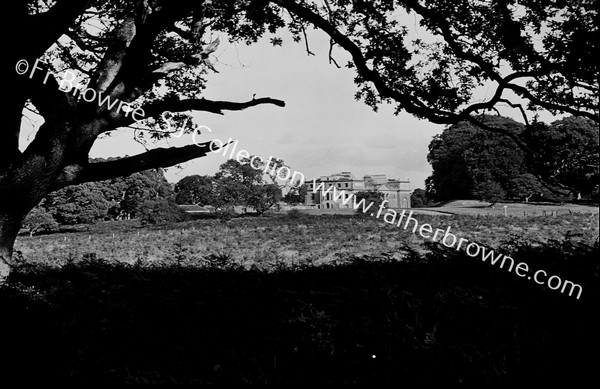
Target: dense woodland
559 164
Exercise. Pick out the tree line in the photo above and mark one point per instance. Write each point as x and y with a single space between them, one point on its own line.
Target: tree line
150 198
146 196
240 183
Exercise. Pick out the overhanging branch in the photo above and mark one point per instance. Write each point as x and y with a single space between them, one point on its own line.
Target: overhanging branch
155 109
153 159
409 103
217 107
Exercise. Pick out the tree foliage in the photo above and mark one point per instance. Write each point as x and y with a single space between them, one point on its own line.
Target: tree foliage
264 197
195 189
145 195
469 162
239 183
159 210
296 195
39 219
79 204
567 152
141 187
419 198
156 54
236 183
369 196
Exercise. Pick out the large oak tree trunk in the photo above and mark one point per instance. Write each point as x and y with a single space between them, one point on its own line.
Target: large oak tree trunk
23 185
10 223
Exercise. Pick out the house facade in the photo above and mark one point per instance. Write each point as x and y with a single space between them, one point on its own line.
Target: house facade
344 184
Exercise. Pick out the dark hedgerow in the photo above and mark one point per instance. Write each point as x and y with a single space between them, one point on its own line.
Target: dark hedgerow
439 318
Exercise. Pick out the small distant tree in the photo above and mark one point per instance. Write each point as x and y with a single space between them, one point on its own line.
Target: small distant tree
370 196
489 191
525 186
228 193
143 186
84 203
419 198
264 197
239 183
39 219
296 194
159 211
195 189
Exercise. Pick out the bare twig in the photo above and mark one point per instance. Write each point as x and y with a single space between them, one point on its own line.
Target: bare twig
516 105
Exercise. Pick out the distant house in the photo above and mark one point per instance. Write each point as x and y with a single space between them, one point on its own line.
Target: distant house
396 192
194 209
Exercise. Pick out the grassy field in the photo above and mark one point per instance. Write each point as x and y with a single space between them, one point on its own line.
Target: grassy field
277 241
302 299
474 207
481 208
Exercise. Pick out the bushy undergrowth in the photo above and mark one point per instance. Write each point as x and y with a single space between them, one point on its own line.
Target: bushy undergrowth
263 242
432 315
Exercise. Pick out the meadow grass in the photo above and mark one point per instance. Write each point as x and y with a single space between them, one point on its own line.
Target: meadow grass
265 242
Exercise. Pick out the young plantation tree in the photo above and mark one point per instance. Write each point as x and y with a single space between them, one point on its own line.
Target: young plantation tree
153 54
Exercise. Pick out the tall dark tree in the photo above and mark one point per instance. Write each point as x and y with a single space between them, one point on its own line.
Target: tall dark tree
469 162
566 153
154 54
118 198
142 187
84 203
195 189
419 198
264 197
239 183
39 219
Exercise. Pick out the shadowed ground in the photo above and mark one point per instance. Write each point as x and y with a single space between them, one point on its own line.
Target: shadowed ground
445 318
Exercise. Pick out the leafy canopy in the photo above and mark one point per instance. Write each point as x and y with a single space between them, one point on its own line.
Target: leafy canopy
535 52
469 162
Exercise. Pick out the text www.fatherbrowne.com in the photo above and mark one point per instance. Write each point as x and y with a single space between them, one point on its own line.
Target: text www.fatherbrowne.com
450 240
